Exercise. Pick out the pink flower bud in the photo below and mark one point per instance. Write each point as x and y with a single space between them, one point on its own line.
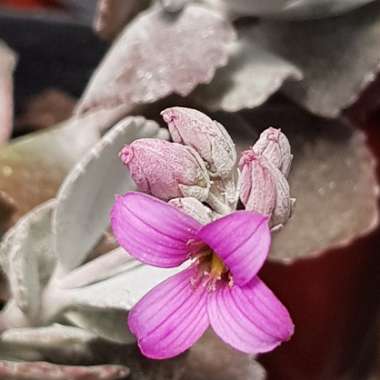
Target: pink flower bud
257 187
264 189
166 170
275 147
208 137
194 208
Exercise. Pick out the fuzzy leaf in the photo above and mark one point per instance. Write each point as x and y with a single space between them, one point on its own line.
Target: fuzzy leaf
56 342
250 78
334 77
27 258
159 54
86 196
103 306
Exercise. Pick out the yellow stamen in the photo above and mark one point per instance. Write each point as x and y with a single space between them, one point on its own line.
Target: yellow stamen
217 267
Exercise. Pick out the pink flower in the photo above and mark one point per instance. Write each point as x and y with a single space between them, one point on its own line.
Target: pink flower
219 288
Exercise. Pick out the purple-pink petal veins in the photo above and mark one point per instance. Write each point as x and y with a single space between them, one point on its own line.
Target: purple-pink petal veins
171 317
250 318
241 240
153 231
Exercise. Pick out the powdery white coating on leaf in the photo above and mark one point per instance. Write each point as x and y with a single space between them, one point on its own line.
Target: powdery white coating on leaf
102 307
56 342
159 54
26 257
339 57
87 194
252 75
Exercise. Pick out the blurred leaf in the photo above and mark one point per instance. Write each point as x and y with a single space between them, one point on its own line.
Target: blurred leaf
159 54
32 167
339 57
212 359
7 66
250 78
57 343
47 371
291 9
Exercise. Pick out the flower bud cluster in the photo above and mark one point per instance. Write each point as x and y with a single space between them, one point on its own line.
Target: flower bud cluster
264 187
197 172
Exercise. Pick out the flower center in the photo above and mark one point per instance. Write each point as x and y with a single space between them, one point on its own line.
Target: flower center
211 268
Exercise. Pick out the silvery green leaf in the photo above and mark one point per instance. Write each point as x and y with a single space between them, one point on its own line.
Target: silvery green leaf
86 196
252 75
333 179
99 269
27 258
12 370
290 9
159 54
56 342
7 65
339 57
102 307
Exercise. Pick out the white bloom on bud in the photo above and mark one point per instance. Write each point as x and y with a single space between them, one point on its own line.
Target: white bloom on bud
166 170
264 189
208 137
275 147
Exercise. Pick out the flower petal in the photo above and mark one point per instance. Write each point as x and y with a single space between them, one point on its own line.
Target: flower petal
171 317
151 230
251 319
242 240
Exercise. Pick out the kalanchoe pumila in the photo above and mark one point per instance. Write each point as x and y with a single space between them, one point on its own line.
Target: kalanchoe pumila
220 287
225 248
166 170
